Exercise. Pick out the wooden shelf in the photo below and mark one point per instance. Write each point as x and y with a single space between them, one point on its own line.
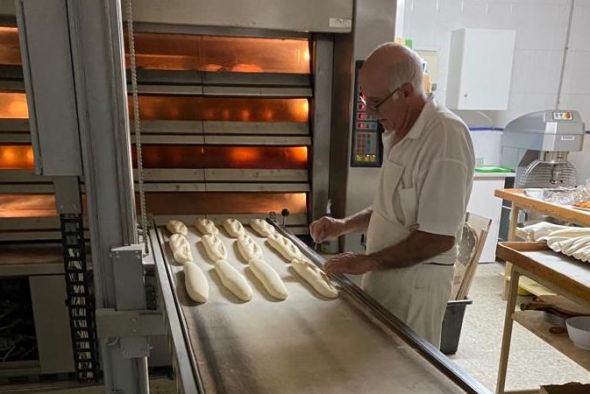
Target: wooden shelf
535 322
563 212
532 287
527 286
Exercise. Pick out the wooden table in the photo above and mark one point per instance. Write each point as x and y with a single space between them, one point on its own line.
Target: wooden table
520 201
564 275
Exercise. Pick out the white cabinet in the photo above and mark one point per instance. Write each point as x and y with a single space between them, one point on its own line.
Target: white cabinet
480 68
483 203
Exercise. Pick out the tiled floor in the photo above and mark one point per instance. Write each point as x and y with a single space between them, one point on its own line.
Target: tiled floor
532 362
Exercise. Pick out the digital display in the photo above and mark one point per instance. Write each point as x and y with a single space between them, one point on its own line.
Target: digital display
563 115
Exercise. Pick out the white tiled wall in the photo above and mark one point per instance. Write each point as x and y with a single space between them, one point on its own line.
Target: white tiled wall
541 31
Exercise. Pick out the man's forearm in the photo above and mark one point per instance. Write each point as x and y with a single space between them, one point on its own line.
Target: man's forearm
358 222
418 247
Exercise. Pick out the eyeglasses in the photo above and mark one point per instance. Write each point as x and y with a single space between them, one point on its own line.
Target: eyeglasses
374 105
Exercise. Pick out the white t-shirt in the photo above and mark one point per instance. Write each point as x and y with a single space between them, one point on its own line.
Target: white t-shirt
438 163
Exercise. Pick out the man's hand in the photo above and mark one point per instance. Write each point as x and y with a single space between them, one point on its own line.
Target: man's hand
326 229
351 263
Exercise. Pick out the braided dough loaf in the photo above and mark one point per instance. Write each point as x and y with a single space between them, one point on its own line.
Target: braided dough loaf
181 248
284 246
248 248
233 227
176 227
262 227
315 277
214 247
206 226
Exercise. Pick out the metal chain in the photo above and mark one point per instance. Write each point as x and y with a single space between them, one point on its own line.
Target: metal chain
136 122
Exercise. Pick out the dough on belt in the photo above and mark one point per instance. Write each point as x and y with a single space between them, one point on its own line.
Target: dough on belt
176 227
206 226
285 247
315 277
181 248
233 227
214 247
248 248
269 278
262 227
195 282
233 280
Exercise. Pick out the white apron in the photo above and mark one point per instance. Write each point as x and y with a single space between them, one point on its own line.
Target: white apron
417 294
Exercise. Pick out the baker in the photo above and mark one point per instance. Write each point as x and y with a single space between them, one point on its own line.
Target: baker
419 207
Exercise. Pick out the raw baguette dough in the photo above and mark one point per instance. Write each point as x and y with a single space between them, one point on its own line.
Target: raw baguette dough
580 243
269 278
181 248
248 248
177 227
315 277
571 232
262 227
233 280
582 254
536 231
285 247
206 226
196 283
233 227
214 247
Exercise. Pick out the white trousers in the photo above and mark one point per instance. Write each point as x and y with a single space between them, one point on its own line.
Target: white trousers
417 295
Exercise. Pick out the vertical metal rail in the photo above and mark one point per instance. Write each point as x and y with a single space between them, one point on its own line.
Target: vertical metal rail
79 301
96 39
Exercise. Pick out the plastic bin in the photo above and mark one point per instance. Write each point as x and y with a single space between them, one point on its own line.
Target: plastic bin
452 323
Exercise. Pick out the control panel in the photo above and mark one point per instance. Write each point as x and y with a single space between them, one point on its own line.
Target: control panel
367 147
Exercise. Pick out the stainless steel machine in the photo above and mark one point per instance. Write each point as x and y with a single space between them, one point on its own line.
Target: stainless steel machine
244 108
536 145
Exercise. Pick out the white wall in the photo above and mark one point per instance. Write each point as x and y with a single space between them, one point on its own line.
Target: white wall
541 27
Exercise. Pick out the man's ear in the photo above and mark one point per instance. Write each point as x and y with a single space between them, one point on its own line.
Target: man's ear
407 89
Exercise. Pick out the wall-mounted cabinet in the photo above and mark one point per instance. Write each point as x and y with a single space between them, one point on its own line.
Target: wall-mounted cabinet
480 69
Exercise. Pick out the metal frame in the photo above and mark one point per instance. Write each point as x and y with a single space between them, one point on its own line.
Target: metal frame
321 119
182 360
331 16
233 31
188 368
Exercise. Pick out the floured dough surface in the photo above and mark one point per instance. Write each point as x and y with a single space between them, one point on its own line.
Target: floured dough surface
181 248
214 247
262 227
233 227
196 283
248 248
269 278
285 247
176 227
233 280
206 226
315 277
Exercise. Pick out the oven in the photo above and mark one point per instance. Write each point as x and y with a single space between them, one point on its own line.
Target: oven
228 124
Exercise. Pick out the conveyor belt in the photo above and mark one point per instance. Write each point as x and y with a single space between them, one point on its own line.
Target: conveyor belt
304 344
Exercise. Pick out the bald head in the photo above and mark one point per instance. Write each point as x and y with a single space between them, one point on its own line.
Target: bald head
393 64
